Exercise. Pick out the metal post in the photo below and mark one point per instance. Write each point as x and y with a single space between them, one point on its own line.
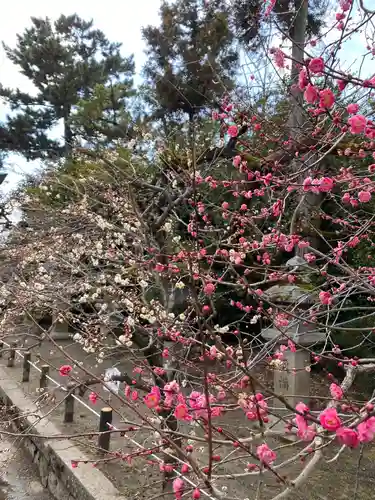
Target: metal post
43 377
26 367
12 354
69 404
104 426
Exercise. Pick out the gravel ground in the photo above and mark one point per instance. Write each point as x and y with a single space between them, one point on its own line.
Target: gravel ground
18 475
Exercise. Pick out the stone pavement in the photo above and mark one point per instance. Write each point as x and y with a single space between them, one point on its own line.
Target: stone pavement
18 475
353 474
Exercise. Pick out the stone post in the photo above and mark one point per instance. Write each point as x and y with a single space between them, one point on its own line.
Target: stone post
291 379
111 328
60 327
291 373
30 325
294 382
109 317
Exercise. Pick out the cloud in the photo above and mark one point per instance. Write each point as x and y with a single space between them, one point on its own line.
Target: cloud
120 21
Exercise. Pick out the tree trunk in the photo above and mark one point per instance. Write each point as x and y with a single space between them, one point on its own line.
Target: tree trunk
296 117
68 134
299 126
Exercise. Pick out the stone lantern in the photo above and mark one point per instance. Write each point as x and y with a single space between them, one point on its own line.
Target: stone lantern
291 378
60 326
112 324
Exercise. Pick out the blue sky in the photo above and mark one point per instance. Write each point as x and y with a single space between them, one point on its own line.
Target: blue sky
120 20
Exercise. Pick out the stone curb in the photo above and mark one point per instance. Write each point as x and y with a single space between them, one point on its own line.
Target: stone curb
53 457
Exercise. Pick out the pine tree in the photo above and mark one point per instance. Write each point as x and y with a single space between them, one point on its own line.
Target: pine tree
67 61
26 133
191 57
105 117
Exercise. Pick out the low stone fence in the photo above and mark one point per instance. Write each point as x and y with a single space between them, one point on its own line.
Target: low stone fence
52 455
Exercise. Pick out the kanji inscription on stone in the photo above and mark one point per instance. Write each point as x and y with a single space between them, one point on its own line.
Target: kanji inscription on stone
283 382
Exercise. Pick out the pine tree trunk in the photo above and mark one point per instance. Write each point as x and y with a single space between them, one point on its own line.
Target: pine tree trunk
68 134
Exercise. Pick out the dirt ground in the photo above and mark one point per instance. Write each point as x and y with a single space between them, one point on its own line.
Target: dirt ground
351 477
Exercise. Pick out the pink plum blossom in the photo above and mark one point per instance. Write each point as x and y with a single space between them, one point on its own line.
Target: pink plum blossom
325 298
233 130
178 486
209 289
311 94
302 79
329 419
336 391
327 98
265 454
348 437
357 124
316 65
181 412
364 196
352 109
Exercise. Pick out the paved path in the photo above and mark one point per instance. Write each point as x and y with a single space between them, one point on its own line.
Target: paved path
18 476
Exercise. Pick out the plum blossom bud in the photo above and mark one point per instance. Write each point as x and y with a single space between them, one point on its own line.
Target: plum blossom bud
209 288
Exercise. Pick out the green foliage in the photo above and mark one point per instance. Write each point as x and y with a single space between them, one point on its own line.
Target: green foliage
27 133
105 116
65 60
191 59
364 254
67 183
63 185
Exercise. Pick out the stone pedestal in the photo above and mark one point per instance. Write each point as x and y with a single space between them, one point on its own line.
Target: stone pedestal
104 330
293 382
30 325
292 375
60 328
111 328
292 372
